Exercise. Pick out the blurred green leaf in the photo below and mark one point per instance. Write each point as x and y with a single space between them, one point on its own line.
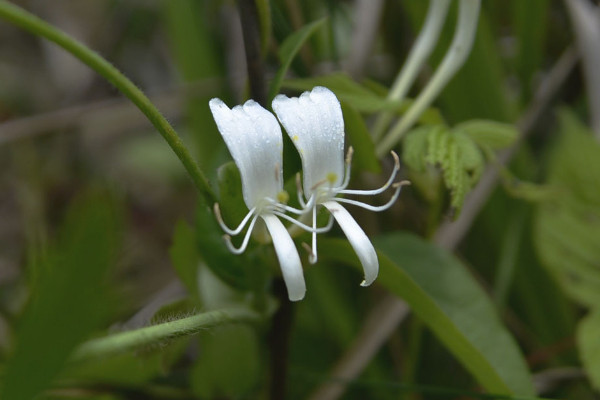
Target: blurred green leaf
478 89
346 90
567 230
184 256
229 363
212 249
491 134
364 158
188 26
231 199
588 344
70 298
531 21
288 50
442 293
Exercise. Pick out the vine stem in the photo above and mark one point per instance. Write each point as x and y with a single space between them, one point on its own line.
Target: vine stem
464 36
152 335
29 22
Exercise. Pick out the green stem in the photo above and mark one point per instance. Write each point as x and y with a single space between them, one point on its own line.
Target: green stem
36 26
151 335
464 36
424 44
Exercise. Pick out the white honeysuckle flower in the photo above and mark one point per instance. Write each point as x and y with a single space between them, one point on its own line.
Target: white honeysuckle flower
315 123
253 136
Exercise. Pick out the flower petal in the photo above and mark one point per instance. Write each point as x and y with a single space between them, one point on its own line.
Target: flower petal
315 123
254 139
358 240
291 267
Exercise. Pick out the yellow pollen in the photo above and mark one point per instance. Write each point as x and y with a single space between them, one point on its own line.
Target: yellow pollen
331 177
283 197
295 138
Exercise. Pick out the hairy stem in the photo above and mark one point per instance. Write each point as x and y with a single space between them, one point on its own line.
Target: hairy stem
151 335
36 26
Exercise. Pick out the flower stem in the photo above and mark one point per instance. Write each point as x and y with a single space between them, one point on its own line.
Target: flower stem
421 50
152 335
464 36
36 26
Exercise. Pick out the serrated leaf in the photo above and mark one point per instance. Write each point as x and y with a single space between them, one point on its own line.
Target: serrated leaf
364 158
455 153
288 50
184 256
588 345
443 294
492 134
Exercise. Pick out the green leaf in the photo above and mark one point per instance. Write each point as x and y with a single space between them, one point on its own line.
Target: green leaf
288 50
69 300
184 256
348 91
567 229
530 27
491 134
454 152
228 366
364 158
588 345
446 297
227 266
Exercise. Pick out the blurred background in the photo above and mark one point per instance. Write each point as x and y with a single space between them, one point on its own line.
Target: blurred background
68 137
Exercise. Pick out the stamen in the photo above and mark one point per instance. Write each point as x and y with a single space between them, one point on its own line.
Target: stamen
299 191
312 258
242 248
232 232
384 187
397 186
348 169
311 255
283 197
302 225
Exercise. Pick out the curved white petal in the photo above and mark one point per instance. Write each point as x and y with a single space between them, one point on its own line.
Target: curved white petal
289 260
253 137
358 240
315 123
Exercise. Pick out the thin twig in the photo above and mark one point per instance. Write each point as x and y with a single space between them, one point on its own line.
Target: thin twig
254 61
368 13
170 102
380 326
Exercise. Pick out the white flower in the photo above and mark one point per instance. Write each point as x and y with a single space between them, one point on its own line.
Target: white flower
254 139
315 123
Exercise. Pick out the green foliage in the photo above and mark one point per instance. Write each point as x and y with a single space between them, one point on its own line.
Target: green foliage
288 50
442 293
588 344
347 90
229 363
70 300
364 158
458 156
489 134
567 231
184 256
